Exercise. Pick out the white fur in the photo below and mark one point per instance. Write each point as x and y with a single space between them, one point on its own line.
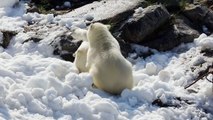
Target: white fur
110 70
79 34
81 57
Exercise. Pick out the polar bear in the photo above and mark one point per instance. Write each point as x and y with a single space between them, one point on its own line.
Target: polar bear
81 57
81 53
110 71
79 34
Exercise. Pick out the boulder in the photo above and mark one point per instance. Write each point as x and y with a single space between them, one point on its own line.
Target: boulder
185 30
200 15
173 35
144 24
107 11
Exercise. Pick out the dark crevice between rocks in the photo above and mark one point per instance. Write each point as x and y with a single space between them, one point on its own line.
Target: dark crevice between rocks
34 39
125 47
200 15
7 36
207 52
178 102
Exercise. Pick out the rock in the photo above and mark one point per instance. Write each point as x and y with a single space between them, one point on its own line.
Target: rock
125 48
185 32
65 48
33 9
200 15
166 39
209 2
34 39
173 6
173 35
142 25
107 11
6 37
58 37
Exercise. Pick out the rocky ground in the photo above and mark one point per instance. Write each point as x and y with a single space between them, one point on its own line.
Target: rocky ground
160 27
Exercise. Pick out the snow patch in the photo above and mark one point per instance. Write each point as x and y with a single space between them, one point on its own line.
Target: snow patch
8 3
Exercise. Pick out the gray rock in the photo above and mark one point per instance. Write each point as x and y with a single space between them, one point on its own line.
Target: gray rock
185 32
107 11
65 47
173 35
33 9
200 15
7 36
125 48
144 24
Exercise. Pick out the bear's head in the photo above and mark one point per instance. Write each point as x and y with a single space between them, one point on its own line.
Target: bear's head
97 30
79 34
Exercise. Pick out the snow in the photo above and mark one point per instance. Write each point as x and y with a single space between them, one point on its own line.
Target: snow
138 11
151 68
102 10
35 84
205 42
8 3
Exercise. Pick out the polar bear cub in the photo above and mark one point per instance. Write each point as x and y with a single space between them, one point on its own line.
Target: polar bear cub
79 34
81 53
81 57
111 72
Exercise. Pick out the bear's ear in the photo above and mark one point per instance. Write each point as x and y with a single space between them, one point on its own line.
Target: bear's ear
74 54
91 26
108 26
